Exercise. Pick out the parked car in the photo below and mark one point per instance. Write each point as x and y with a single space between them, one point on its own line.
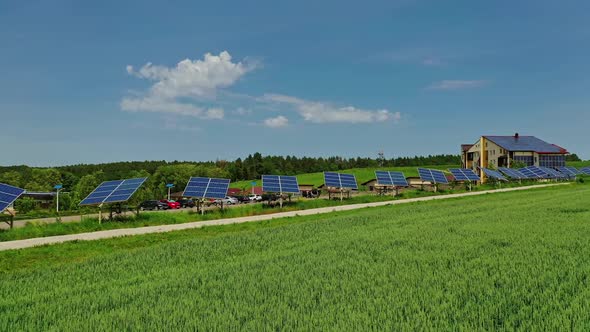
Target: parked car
227 200
255 198
186 203
153 205
171 204
242 199
270 197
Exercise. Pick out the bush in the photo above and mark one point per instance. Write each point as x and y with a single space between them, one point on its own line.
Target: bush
25 205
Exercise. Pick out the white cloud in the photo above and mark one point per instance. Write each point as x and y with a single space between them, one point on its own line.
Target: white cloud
321 112
199 88
279 121
193 81
456 84
152 104
242 111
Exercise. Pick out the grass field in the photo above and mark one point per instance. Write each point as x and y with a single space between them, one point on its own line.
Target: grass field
504 261
579 164
361 174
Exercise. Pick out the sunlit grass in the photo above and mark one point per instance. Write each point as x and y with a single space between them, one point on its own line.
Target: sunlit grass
511 261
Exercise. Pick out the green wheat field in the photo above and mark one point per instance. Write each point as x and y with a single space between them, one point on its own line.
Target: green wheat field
518 260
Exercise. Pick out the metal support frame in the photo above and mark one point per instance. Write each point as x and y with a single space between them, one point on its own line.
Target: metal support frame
10 222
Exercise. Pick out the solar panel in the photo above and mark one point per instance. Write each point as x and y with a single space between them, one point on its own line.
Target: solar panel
512 173
569 170
113 191
340 180
494 174
432 175
391 178
554 173
206 188
280 184
539 172
464 174
8 194
585 170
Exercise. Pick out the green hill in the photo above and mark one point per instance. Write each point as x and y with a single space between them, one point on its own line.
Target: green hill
361 174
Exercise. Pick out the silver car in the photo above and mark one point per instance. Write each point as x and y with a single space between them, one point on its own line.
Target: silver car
227 200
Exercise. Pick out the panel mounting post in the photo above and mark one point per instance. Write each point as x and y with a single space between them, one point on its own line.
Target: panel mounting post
100 214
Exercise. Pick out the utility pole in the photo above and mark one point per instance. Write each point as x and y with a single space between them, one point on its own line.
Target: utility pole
169 186
58 188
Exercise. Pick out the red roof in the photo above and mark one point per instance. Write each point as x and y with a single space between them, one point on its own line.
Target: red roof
466 147
234 191
257 190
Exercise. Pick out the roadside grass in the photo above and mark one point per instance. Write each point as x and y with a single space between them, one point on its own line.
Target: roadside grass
516 260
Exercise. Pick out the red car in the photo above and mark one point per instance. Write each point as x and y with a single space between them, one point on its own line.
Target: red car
171 204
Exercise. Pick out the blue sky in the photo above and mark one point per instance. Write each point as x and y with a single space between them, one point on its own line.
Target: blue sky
85 82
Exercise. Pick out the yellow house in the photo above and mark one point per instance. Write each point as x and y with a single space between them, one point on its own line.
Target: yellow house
504 151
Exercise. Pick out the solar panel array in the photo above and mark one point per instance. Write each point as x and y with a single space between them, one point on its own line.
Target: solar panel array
585 170
464 174
569 170
494 174
113 191
206 188
280 184
340 180
512 173
8 194
432 175
391 178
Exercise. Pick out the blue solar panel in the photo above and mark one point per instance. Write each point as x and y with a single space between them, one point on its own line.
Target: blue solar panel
206 188
464 174
524 143
539 172
8 194
113 191
280 184
340 180
494 174
553 173
348 181
391 178
585 170
512 173
432 175
569 170
528 173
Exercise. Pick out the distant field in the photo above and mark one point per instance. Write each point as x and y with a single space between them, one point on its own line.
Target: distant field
362 175
496 262
579 163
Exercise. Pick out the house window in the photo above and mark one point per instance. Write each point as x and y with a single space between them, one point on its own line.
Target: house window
552 161
527 160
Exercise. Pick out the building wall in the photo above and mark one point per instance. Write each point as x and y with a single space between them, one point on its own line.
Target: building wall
494 153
